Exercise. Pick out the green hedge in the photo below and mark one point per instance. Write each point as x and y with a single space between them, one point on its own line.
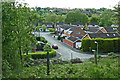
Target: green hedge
51 29
42 55
104 45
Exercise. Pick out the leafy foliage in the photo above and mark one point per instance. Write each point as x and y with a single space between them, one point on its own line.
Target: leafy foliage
16 33
106 68
104 45
42 55
76 16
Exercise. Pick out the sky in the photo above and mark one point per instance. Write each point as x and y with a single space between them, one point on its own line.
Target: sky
73 3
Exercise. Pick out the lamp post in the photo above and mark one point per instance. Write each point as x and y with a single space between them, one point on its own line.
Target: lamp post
95 56
47 63
97 46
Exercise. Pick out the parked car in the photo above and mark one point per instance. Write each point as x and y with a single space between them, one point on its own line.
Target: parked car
54 46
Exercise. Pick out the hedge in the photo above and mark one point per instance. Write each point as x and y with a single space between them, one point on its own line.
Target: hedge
42 55
51 29
104 45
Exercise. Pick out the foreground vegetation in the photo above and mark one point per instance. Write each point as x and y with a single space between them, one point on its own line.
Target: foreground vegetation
106 68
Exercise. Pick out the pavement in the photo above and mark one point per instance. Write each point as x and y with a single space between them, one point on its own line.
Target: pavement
65 50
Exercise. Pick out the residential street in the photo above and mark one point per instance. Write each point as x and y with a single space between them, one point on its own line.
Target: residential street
64 50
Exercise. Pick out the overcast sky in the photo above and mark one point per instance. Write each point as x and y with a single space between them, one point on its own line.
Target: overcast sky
73 3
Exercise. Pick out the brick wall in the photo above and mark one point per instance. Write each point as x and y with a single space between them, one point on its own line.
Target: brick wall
70 43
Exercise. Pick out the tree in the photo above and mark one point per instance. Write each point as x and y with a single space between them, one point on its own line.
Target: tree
16 31
44 27
105 20
51 18
36 18
60 19
117 15
76 16
94 19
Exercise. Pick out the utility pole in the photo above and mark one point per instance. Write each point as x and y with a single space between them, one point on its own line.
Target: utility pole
47 63
95 56
71 56
97 47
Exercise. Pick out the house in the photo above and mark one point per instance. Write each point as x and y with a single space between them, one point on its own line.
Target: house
92 25
101 35
110 30
77 24
74 36
48 25
58 25
86 12
74 42
95 30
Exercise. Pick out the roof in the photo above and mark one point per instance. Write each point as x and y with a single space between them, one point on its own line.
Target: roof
103 35
61 23
92 24
109 29
46 23
73 39
65 27
92 30
77 24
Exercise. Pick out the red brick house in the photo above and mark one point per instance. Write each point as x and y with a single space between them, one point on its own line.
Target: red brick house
75 35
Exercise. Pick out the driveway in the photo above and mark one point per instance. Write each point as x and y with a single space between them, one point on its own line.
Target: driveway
66 52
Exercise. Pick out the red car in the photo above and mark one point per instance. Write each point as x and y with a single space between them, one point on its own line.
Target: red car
54 46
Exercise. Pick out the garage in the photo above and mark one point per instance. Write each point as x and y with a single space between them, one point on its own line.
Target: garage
78 44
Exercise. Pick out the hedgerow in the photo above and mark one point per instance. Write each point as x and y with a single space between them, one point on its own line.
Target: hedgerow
42 55
104 45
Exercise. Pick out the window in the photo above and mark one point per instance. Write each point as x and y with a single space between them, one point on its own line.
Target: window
113 34
107 34
78 33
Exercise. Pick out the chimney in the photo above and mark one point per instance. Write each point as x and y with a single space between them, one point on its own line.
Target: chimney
55 25
86 26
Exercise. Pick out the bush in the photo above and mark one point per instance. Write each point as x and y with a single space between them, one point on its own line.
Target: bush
77 60
58 38
111 54
42 55
99 56
51 29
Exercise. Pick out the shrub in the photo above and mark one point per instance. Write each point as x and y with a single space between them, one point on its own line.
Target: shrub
111 54
42 55
51 29
77 60
58 38
99 56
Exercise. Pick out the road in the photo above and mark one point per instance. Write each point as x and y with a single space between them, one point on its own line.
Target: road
63 50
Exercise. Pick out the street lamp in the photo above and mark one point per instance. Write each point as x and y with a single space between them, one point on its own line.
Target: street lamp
97 46
95 56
